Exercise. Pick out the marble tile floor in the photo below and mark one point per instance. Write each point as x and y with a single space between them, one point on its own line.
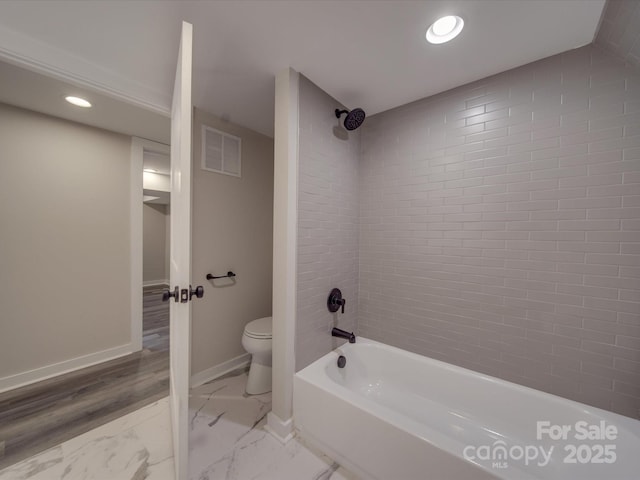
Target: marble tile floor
136 446
227 441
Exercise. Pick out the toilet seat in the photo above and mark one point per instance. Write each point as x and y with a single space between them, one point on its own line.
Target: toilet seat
260 328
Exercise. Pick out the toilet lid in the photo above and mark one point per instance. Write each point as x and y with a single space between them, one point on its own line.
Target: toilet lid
260 328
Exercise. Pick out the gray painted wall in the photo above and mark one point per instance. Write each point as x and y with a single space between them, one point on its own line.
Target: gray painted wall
232 229
64 260
499 228
155 248
327 223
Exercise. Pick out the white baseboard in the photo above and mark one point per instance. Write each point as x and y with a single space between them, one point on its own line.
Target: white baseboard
282 430
219 370
66 366
153 283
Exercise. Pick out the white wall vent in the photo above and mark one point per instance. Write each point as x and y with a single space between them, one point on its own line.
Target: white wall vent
221 152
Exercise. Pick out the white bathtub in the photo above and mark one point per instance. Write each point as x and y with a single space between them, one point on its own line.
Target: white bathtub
393 415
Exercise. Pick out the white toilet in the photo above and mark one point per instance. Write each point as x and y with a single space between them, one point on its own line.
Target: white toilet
256 340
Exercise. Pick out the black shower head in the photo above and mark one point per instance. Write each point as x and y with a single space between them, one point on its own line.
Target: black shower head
353 119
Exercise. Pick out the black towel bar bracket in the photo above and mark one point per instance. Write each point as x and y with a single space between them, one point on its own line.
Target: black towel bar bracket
228 275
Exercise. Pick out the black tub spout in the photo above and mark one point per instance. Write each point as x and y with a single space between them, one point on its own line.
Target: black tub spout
336 332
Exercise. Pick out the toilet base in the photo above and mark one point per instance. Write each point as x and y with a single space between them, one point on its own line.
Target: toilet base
259 380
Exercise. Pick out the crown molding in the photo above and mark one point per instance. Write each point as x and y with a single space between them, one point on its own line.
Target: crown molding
31 54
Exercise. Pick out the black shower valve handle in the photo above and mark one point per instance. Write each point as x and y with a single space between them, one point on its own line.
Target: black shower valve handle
335 301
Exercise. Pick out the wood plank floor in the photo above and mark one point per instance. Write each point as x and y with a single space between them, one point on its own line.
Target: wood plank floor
41 415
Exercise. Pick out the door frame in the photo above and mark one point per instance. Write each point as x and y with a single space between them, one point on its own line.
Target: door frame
138 147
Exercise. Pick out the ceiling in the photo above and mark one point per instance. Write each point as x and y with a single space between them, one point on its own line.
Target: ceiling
33 91
369 54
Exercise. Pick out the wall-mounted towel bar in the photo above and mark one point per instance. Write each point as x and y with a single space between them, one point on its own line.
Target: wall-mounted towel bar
228 275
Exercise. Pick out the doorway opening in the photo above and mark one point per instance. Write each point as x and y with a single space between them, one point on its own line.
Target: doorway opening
156 211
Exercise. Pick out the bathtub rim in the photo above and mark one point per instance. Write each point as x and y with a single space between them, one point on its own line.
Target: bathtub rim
316 369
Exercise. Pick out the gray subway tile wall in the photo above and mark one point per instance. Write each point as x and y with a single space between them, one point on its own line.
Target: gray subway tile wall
327 223
500 228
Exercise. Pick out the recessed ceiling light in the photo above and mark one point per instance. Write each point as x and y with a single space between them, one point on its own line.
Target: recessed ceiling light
150 170
445 29
77 101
